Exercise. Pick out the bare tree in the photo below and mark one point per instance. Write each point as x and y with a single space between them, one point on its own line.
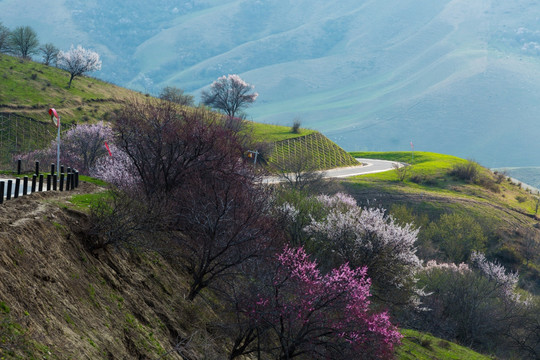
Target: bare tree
229 93
530 246
166 143
78 61
50 53
24 41
224 221
301 171
401 171
4 39
176 95
190 171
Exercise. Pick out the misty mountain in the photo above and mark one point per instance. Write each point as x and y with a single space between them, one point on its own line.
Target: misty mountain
452 76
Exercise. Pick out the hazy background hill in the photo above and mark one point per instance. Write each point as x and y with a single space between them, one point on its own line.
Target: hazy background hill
453 76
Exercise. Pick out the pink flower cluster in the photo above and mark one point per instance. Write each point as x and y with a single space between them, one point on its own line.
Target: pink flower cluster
333 307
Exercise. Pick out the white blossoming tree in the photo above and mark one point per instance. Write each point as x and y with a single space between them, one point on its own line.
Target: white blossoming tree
475 303
230 94
347 233
78 61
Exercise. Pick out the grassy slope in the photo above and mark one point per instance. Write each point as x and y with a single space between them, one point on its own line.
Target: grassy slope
421 346
433 169
500 214
268 132
30 89
506 215
59 300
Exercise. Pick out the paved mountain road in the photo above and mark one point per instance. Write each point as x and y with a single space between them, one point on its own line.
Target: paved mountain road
369 166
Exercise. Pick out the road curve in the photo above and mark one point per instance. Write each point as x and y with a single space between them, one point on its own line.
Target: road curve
369 166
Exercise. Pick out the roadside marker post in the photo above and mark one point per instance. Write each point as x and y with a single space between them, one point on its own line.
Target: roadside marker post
56 120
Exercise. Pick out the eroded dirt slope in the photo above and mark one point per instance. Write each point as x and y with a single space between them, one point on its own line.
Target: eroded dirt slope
59 300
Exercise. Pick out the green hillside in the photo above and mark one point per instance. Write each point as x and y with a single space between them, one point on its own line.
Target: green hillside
421 346
506 212
315 149
103 313
111 304
28 89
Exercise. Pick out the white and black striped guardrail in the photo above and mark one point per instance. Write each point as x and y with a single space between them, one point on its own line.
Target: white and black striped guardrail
63 181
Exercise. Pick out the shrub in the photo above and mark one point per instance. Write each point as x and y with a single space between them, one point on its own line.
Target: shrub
472 303
521 198
176 95
467 171
424 179
508 256
401 171
457 236
487 182
295 128
500 176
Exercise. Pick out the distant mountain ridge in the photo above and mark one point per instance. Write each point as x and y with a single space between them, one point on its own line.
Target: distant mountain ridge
452 76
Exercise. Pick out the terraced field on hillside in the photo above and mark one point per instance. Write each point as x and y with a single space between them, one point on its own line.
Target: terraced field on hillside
315 149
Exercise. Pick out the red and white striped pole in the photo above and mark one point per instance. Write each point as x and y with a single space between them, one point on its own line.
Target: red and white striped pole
56 120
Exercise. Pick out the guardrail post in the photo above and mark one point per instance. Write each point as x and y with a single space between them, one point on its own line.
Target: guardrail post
9 185
52 169
68 180
34 178
55 179
19 166
61 181
40 182
2 187
73 172
77 178
37 168
17 187
25 186
48 182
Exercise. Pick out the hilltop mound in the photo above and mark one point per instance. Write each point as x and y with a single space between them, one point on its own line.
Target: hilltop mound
314 148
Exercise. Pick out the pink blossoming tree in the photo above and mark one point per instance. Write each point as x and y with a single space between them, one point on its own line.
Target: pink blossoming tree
80 148
305 313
